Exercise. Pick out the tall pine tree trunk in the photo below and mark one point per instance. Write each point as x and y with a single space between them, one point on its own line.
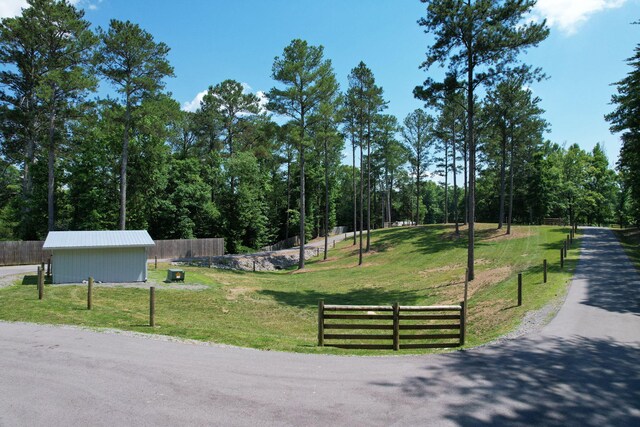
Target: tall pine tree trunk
472 166
51 186
455 172
466 176
355 192
286 231
511 167
368 188
302 207
326 198
123 166
417 221
361 204
446 183
502 179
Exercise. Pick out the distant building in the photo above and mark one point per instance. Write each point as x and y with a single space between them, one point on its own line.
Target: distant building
107 256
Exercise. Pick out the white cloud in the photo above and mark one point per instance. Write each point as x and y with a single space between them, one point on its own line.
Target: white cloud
263 100
11 8
194 104
568 15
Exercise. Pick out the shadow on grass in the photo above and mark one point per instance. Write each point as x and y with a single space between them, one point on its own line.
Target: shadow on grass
440 237
373 296
30 279
537 381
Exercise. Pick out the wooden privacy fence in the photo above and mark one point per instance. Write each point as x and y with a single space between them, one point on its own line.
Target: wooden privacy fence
396 327
23 252
283 244
30 252
187 248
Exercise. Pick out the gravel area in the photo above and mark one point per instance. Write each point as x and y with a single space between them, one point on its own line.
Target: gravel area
534 320
10 280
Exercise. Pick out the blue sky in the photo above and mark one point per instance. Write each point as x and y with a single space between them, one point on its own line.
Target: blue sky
215 40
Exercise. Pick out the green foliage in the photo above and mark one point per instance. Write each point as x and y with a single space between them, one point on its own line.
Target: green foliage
624 119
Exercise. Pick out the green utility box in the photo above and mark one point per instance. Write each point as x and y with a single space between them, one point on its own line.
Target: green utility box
175 275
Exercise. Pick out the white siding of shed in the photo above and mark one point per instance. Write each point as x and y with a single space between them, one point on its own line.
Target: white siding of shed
104 264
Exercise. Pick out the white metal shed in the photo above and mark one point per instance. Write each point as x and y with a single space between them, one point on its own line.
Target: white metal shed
107 256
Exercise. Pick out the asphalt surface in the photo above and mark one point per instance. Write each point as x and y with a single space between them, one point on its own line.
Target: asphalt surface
582 369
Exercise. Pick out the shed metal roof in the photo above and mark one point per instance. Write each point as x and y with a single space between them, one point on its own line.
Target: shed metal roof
97 239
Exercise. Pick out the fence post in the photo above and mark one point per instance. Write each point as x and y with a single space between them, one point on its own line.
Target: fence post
89 294
156 262
519 289
565 248
40 283
561 258
463 319
321 323
568 240
49 267
544 266
152 306
254 265
396 326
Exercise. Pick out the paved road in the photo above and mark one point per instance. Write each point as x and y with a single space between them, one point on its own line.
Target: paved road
582 369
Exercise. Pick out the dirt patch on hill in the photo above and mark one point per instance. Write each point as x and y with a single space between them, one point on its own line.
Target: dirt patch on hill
234 293
453 290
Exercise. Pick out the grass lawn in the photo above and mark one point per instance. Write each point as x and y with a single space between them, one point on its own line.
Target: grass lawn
630 239
278 310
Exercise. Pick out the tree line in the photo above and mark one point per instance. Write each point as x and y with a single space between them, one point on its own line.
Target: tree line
255 172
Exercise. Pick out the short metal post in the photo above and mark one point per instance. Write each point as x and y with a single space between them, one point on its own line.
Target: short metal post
544 266
568 240
90 294
152 306
156 262
519 289
565 248
561 258
321 323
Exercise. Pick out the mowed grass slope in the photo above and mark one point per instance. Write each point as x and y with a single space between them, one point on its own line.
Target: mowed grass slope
278 310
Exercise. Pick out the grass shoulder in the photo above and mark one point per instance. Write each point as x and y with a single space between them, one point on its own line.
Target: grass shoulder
630 240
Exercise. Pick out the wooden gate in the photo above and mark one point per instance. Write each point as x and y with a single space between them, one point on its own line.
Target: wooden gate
391 327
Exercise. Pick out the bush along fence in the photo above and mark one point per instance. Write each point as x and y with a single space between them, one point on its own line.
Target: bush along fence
30 252
393 327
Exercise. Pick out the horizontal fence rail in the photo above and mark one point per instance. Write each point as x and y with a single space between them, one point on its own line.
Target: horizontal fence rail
30 252
391 327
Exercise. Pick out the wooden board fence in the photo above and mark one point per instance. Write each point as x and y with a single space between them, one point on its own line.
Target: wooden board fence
187 248
23 252
390 327
30 252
